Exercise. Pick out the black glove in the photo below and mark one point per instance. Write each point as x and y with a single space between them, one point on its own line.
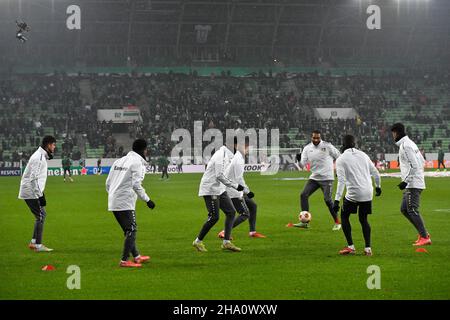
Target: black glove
42 201
151 204
240 188
298 157
250 194
336 206
402 185
377 192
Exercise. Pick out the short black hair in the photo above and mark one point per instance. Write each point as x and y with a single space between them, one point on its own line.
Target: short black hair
348 141
139 145
48 140
316 132
399 128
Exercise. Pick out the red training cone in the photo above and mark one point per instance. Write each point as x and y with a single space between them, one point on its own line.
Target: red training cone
48 267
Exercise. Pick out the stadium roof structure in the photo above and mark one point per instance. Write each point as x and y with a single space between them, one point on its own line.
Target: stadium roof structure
245 32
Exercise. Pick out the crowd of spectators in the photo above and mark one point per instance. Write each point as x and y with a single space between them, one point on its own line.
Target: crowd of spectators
31 103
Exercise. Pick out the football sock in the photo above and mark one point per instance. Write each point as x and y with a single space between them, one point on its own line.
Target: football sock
417 222
39 226
229 220
346 227
365 228
129 244
213 216
331 209
241 218
420 226
252 217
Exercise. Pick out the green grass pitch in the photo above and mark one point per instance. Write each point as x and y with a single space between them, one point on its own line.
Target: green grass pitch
290 264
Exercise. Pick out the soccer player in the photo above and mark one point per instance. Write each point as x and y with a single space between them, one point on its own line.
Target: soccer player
354 170
164 165
441 155
213 190
124 185
32 187
180 165
320 155
66 163
413 181
242 200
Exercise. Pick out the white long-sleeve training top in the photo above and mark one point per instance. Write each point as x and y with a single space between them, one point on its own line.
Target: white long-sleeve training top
214 181
354 170
321 159
124 182
34 177
411 163
235 172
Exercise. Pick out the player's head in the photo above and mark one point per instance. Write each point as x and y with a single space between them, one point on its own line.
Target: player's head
398 131
315 137
240 141
348 141
140 147
49 144
242 145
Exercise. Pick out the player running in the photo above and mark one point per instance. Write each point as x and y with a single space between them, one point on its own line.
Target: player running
320 155
413 181
124 185
354 170
242 200
213 190
32 187
66 163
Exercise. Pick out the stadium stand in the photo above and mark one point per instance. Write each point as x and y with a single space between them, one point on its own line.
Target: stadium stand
66 106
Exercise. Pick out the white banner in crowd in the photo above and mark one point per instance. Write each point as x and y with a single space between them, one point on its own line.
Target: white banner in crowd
124 115
335 113
190 168
106 162
90 166
199 168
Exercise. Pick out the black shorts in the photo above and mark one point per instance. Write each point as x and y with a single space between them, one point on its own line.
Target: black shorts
365 207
